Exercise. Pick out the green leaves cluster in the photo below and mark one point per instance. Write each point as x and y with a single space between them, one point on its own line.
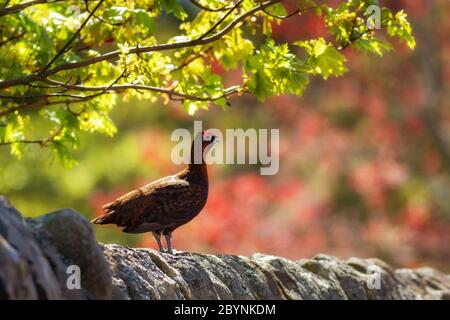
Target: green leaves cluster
322 58
274 70
160 48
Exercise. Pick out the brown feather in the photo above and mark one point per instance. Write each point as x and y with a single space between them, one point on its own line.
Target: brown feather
162 205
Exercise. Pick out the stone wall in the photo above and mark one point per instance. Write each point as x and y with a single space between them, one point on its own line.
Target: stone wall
35 255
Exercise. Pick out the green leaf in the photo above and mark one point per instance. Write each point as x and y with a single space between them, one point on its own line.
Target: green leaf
172 6
145 20
400 27
2 132
277 9
93 121
19 149
274 70
38 32
221 102
372 45
322 58
191 107
232 49
61 150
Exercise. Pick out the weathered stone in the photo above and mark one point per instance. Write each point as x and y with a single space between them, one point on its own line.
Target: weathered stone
34 257
67 238
140 274
24 271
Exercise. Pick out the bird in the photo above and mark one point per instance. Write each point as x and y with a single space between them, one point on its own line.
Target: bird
165 204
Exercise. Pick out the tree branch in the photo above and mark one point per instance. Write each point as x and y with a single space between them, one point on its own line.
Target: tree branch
190 59
12 38
115 54
128 86
171 93
21 6
219 22
354 39
44 98
65 48
116 24
40 96
203 7
41 142
298 11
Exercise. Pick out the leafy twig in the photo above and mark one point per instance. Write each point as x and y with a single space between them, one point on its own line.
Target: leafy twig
219 22
21 6
40 142
115 54
116 24
65 48
190 59
203 7
12 38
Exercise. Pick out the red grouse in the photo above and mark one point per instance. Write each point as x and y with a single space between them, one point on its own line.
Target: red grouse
165 204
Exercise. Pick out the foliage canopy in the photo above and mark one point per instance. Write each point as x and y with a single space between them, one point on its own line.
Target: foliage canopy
64 63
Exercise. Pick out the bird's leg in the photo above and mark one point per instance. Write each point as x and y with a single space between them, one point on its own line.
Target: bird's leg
169 242
157 237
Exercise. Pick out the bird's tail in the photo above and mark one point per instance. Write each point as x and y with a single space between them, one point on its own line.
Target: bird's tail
109 217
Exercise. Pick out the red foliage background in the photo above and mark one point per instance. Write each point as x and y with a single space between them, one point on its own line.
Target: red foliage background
364 159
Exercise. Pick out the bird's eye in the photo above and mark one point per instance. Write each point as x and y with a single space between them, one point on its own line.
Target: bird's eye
213 138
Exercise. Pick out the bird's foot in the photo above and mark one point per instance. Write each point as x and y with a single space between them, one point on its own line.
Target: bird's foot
169 251
169 243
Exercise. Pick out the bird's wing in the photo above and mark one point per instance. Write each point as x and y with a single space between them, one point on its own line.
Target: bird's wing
161 202
134 197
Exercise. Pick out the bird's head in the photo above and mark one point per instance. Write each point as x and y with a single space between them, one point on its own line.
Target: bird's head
208 138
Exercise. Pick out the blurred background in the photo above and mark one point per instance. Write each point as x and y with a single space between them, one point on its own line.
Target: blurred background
364 160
